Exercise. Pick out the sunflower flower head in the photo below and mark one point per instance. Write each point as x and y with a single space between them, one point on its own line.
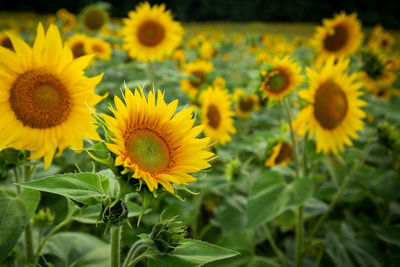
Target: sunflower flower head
154 144
44 96
334 113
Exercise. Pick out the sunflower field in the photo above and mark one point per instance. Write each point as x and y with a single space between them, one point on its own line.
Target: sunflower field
145 141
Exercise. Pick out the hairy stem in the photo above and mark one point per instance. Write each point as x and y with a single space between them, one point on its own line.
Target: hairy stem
115 246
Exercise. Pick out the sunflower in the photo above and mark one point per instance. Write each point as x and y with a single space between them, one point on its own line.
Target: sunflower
199 69
339 36
245 103
216 114
94 17
334 112
281 154
78 43
69 19
44 96
150 33
380 39
157 146
219 82
280 79
5 41
100 48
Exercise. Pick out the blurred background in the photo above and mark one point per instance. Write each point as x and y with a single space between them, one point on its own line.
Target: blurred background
370 12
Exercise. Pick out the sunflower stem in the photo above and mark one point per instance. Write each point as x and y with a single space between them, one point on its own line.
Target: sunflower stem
340 192
133 251
152 74
274 247
115 245
30 257
16 176
299 219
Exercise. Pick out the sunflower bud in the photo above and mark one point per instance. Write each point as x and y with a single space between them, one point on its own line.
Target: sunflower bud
232 170
389 136
44 217
11 158
114 213
166 234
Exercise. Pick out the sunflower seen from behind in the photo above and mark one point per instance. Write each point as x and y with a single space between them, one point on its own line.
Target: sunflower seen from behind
45 98
155 144
150 33
339 36
280 78
334 113
216 114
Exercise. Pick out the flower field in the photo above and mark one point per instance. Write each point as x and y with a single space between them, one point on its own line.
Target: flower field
144 141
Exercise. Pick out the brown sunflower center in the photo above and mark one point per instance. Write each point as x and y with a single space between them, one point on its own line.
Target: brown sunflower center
78 49
39 100
213 116
330 105
246 104
94 19
200 77
277 82
97 48
338 39
284 153
6 42
151 33
149 150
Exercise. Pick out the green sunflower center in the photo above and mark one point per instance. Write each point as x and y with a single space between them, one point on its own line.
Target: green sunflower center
277 81
150 33
338 39
213 116
39 100
149 150
94 19
284 153
331 105
246 104
78 49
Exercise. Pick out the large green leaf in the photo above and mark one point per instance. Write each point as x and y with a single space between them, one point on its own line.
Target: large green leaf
270 196
15 214
87 188
191 253
77 249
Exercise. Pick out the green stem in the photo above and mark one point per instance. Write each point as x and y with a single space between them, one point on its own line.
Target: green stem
16 176
341 191
52 232
299 223
115 246
30 257
132 252
274 247
138 259
152 73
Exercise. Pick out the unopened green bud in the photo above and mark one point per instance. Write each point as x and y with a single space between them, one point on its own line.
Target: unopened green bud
114 213
11 158
44 217
389 136
166 234
232 170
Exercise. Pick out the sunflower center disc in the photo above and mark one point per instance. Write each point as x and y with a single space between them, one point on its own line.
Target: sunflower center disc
78 49
148 150
330 105
97 48
213 116
39 100
338 39
284 153
150 33
199 79
94 19
246 104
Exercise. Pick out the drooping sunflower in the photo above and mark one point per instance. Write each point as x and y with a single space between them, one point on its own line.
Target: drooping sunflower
94 17
157 146
150 33
245 103
281 154
334 112
216 114
339 36
280 79
78 43
100 48
199 69
44 96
